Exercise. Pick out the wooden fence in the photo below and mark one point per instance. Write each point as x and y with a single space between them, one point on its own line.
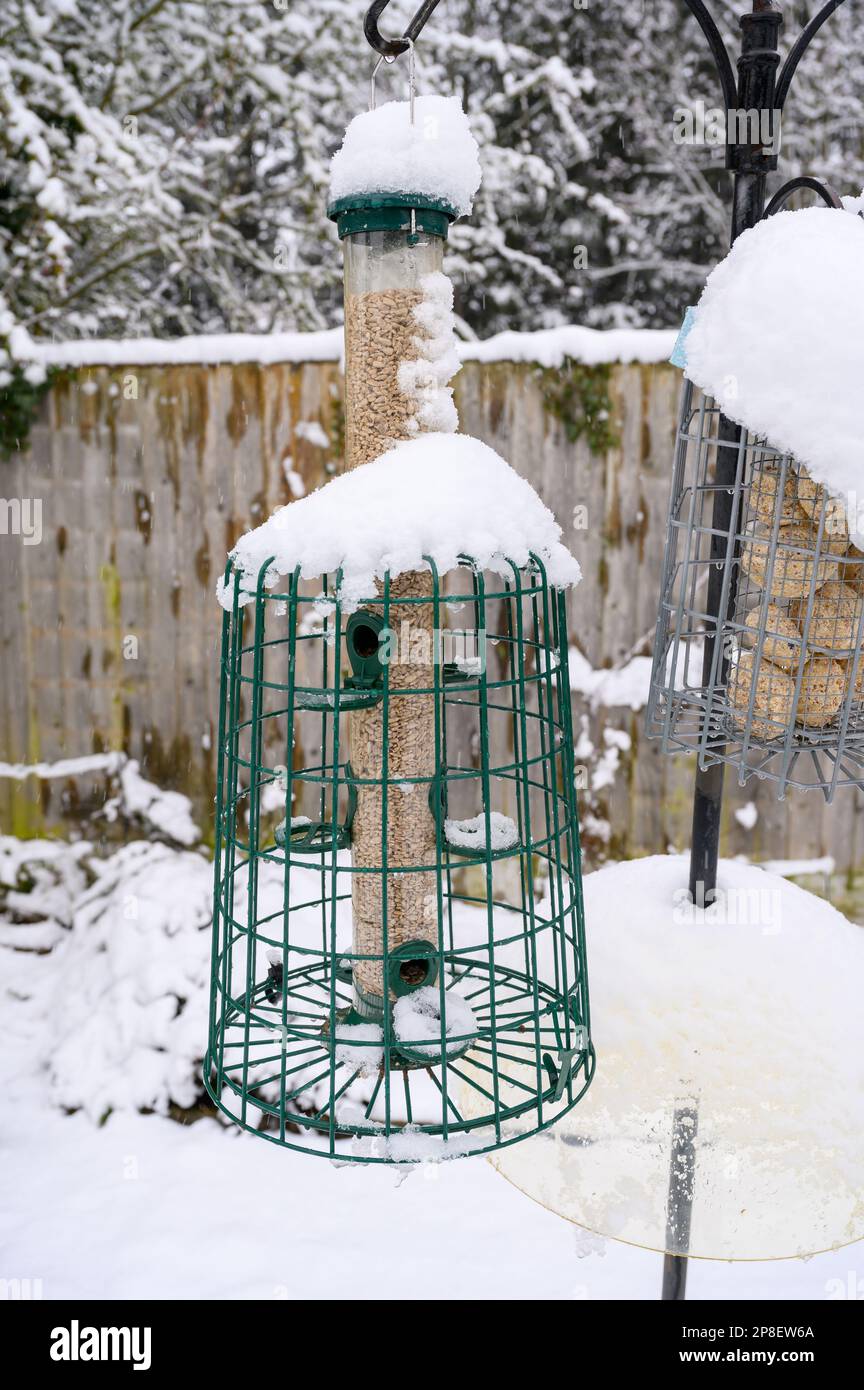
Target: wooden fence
147 475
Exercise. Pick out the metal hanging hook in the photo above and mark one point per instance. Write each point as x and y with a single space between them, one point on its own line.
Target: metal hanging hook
391 49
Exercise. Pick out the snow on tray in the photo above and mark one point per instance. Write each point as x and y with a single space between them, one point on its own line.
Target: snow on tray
412 1145
719 996
359 1047
471 834
417 1022
777 340
752 1008
442 495
747 1015
383 152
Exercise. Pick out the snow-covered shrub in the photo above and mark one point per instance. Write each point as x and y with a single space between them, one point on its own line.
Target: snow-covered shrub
40 882
124 1016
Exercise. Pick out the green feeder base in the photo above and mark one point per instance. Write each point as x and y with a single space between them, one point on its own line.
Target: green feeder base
299 1094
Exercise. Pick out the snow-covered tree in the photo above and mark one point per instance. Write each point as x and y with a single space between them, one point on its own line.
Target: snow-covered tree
163 163
580 152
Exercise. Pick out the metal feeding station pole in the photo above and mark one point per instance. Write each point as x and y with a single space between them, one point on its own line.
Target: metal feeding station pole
760 88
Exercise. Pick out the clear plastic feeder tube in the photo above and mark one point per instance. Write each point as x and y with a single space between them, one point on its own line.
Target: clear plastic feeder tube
388 251
384 271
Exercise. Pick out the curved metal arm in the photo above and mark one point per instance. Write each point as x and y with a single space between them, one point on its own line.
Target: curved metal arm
722 60
391 48
827 193
799 48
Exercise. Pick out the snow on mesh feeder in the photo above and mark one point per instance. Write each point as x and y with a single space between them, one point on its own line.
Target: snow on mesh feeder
406 621
775 686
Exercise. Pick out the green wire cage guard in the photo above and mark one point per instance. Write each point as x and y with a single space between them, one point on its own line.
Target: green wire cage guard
461 1025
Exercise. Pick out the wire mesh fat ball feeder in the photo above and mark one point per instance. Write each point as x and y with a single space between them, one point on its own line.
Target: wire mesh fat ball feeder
776 687
398 963
757 656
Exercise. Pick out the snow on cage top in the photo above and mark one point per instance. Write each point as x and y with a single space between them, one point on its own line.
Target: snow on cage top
778 340
445 496
383 153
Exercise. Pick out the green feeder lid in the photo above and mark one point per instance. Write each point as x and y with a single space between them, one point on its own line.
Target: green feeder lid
391 212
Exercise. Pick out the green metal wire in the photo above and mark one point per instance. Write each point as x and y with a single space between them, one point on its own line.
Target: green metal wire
509 941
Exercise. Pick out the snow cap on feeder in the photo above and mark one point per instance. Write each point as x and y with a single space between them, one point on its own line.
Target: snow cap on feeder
439 495
777 341
402 158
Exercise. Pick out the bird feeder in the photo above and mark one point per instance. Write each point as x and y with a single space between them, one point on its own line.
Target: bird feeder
391 243
757 658
758 655
467 1024
380 992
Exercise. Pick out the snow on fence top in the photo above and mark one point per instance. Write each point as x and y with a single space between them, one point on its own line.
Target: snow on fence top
550 347
442 495
383 152
212 349
777 338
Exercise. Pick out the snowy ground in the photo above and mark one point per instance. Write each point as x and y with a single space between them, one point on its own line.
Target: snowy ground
142 1206
146 1208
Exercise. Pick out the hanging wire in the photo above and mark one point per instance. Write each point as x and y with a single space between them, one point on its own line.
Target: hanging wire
412 89
412 79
